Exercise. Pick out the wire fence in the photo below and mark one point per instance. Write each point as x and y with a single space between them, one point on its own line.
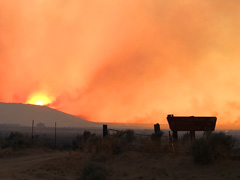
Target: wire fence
122 131
138 136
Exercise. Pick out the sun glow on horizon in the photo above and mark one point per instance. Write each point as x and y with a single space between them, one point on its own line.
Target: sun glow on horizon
40 99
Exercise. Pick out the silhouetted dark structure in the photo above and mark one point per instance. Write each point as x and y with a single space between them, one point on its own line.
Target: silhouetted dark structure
156 128
190 123
105 130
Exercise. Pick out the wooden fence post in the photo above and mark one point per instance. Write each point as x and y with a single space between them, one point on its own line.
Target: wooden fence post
175 135
156 128
105 130
170 137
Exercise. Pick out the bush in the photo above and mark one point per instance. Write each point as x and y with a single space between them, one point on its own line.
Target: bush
1 141
221 138
201 151
157 136
86 135
125 137
94 171
130 136
185 138
85 142
150 146
217 146
109 145
17 140
221 144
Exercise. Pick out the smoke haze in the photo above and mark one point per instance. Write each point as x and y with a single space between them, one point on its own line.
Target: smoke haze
123 61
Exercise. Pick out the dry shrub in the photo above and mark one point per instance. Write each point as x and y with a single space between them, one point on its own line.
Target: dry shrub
116 143
185 138
221 144
150 146
201 151
87 135
130 137
109 145
17 140
157 136
155 144
217 146
85 142
6 152
113 145
126 137
1 140
104 145
94 171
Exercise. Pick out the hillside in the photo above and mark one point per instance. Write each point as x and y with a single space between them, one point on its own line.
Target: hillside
23 114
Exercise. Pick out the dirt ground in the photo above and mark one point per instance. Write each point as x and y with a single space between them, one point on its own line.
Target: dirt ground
127 166
173 167
18 167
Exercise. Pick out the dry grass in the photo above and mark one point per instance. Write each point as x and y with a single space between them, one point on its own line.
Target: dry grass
142 159
140 165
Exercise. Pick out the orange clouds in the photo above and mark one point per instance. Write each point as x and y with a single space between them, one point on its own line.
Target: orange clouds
123 61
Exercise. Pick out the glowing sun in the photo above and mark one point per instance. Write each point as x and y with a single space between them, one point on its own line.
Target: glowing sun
40 99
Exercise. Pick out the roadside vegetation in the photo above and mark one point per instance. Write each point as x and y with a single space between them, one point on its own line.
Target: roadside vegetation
91 155
208 150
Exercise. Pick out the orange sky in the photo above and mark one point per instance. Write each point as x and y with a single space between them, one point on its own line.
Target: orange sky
124 61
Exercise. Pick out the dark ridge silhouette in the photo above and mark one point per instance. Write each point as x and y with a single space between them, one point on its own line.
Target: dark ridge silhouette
23 114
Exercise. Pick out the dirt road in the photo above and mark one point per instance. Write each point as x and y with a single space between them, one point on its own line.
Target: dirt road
16 168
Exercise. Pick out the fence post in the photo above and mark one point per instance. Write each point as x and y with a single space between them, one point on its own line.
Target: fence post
156 128
170 137
175 135
105 130
32 127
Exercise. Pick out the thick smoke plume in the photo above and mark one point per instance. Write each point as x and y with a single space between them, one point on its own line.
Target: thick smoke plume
123 61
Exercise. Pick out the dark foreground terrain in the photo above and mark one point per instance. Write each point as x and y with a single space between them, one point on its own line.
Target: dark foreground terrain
127 165
121 155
